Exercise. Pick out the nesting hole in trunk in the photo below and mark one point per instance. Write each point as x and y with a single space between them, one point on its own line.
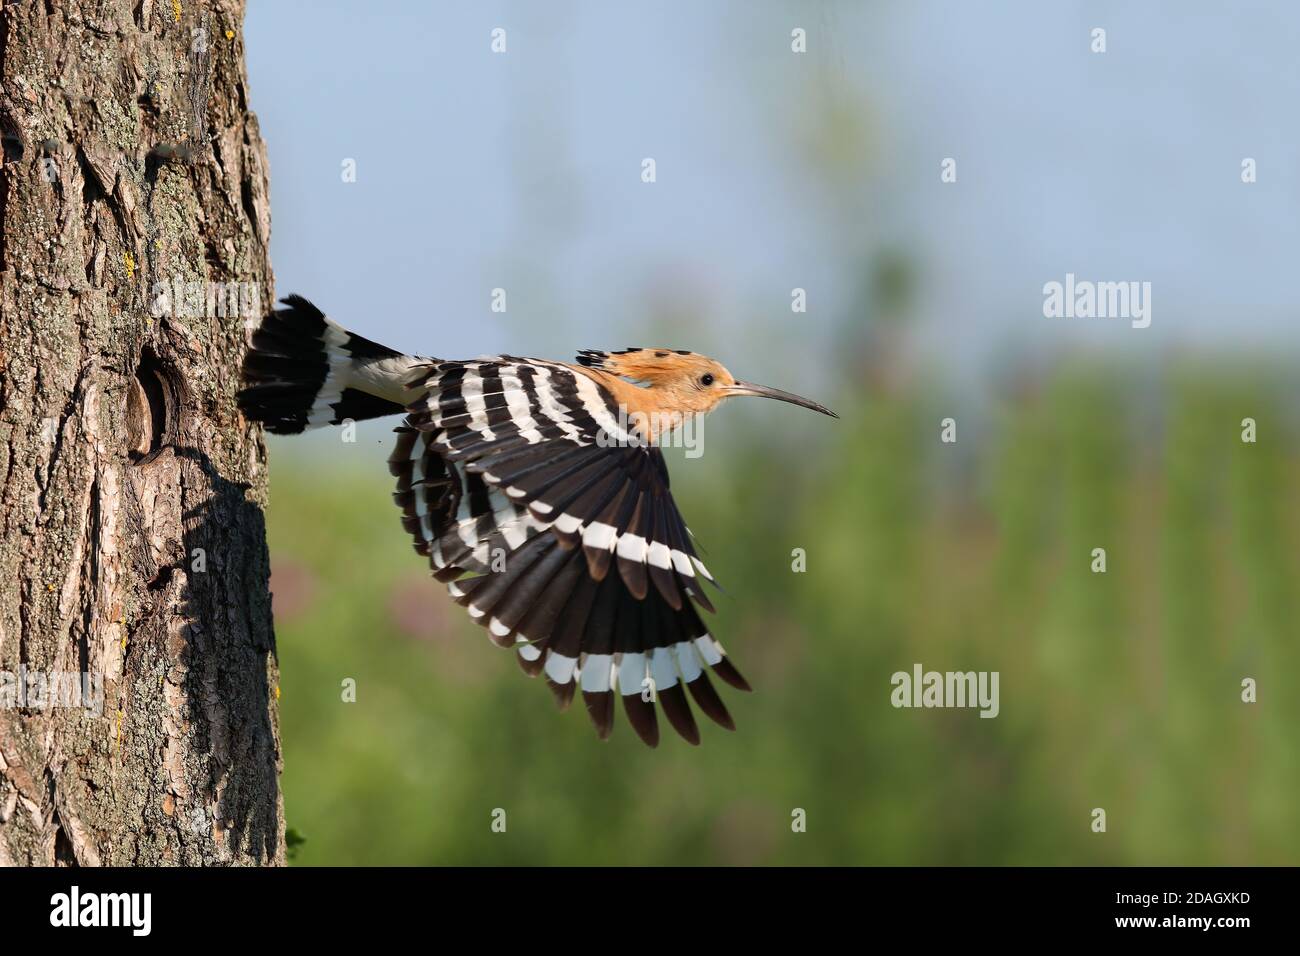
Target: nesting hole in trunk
150 409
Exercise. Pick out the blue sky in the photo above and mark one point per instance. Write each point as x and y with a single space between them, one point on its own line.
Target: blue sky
521 170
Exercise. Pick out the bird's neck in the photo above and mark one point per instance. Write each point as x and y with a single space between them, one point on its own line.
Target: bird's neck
648 409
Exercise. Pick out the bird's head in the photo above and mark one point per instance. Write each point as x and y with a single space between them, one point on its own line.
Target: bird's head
684 382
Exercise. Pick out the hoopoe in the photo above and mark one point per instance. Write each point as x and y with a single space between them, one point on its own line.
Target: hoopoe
553 468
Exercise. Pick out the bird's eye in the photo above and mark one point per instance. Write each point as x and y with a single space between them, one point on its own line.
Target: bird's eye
707 379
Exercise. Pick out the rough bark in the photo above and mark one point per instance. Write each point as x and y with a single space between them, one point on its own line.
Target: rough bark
131 490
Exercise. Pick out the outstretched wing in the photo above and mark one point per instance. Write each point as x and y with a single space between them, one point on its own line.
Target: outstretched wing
557 531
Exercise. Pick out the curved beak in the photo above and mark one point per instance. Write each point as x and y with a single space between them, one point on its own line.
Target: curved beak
763 391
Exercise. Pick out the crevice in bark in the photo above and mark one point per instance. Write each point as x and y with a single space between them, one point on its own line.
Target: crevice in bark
92 189
64 855
4 202
13 153
95 523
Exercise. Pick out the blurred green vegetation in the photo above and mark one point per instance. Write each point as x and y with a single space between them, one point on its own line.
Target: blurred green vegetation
1119 690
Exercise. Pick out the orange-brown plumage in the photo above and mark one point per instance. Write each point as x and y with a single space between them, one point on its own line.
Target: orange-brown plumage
659 388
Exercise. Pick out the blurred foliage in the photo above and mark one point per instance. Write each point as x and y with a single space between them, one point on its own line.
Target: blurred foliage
293 841
1119 690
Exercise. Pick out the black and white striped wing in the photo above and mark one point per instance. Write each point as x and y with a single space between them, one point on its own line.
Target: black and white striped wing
558 533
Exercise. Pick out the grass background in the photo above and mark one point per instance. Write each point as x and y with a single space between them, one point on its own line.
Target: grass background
1119 690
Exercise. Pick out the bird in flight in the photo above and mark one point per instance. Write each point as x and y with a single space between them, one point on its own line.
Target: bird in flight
539 495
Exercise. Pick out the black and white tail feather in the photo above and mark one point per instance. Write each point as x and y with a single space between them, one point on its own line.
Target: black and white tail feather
303 371
568 549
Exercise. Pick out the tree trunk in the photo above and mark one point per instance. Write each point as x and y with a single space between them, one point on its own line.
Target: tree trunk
133 564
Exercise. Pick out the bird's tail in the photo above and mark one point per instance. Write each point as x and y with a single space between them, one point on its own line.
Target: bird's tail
304 371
